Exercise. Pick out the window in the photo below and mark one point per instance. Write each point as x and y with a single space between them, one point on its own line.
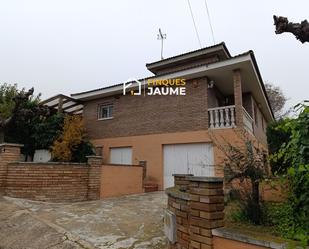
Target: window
105 112
121 155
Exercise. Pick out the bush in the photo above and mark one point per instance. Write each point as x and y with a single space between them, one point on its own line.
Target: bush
281 217
277 135
296 153
71 144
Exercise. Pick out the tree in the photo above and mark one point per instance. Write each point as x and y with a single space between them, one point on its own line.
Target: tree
299 30
71 144
245 160
276 98
7 94
13 103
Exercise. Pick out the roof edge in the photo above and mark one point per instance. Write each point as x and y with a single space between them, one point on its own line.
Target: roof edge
152 64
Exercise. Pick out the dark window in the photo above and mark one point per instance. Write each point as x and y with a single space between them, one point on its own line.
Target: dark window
255 115
105 112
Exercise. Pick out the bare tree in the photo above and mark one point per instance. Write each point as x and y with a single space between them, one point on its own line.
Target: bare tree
277 99
300 30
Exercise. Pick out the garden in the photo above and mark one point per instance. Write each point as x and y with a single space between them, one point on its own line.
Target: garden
285 170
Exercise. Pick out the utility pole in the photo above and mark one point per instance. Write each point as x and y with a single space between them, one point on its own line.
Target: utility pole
161 37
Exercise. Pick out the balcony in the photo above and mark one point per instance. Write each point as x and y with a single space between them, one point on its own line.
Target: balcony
225 116
248 121
222 117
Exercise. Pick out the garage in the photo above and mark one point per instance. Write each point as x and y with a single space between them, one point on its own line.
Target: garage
196 159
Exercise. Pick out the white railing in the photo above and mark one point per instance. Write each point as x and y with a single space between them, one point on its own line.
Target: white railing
248 121
222 117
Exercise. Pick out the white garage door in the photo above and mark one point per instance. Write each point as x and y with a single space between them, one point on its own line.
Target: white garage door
196 159
121 155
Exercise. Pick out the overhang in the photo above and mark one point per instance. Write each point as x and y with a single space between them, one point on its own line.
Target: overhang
63 103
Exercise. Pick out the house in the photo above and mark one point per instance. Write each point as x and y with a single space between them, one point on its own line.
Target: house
172 133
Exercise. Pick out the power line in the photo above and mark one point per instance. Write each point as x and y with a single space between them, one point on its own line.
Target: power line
196 31
209 20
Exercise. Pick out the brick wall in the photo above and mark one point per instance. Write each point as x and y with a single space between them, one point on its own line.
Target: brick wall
198 204
139 115
8 152
48 181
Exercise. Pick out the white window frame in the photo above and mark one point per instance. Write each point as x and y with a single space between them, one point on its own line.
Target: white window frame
122 155
109 112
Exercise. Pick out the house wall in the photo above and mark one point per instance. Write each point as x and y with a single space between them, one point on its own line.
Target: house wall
150 148
259 127
247 103
139 115
117 180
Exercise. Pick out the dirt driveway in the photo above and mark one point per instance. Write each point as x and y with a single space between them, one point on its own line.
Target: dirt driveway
127 222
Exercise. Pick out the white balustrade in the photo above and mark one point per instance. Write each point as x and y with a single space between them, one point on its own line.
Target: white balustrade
222 117
248 121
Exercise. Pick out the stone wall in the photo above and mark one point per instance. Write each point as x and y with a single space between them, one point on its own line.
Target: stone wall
198 204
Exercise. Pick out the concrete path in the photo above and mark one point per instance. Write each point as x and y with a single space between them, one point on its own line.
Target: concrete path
134 221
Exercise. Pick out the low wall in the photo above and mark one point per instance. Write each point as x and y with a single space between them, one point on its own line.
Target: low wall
117 180
55 182
197 203
48 181
231 238
195 218
220 243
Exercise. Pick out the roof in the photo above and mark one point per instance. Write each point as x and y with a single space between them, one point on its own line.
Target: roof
117 88
203 50
219 49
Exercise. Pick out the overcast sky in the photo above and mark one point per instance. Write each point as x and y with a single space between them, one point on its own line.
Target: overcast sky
70 46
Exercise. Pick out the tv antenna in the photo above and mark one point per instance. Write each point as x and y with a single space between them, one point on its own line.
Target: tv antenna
161 37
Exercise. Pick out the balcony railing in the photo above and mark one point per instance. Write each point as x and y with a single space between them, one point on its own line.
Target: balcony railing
222 117
248 121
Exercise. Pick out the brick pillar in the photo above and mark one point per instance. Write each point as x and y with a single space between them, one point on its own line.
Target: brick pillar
238 98
8 153
205 100
94 181
181 182
206 210
197 211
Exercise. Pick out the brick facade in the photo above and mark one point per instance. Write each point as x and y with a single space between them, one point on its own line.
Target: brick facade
198 203
139 115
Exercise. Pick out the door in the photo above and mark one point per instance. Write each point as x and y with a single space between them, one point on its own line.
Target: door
121 155
196 159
